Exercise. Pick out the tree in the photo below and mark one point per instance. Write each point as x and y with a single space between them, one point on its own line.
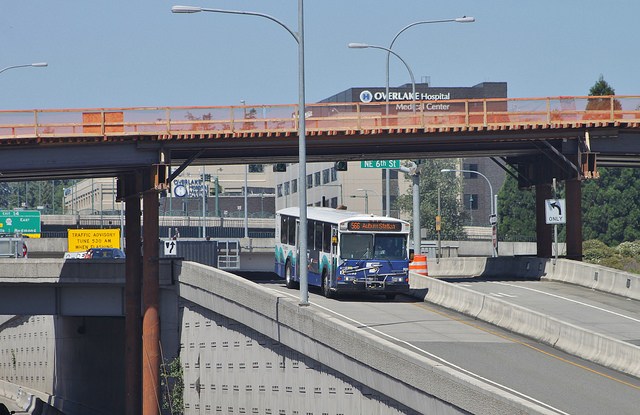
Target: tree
516 215
602 88
611 206
451 212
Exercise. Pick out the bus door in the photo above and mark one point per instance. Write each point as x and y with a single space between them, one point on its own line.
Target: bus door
297 270
334 250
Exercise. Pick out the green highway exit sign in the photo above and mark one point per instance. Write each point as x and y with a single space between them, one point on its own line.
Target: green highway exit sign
380 164
20 221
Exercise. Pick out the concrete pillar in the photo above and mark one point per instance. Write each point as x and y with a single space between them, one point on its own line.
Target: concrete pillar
133 299
544 232
151 303
574 219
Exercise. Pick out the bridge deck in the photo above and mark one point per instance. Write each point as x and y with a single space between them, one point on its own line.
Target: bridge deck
326 119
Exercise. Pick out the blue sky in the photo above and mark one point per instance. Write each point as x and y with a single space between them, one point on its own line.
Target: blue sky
119 53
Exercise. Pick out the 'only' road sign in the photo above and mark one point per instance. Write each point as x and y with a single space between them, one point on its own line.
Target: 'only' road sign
555 211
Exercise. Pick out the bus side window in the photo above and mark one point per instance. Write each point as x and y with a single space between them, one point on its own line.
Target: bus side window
284 231
311 225
291 239
326 238
319 238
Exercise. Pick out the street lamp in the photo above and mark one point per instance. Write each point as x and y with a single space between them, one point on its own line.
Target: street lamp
34 65
415 174
356 45
366 198
463 19
492 203
302 158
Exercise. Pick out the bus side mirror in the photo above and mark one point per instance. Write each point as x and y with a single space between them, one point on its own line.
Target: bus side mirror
411 254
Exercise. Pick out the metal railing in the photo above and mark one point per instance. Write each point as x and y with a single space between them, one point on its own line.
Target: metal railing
165 122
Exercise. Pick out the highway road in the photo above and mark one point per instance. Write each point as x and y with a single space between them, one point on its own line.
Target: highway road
530 370
603 313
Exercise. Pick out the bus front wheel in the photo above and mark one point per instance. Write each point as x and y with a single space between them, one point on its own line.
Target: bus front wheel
326 290
288 276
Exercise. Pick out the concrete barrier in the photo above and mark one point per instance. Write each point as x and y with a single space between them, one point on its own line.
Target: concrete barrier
27 401
408 377
595 347
595 277
574 272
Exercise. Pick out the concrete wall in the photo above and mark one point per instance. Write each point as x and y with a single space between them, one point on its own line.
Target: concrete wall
231 316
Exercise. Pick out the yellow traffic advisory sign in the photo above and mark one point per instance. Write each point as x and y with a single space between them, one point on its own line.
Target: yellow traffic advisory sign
83 239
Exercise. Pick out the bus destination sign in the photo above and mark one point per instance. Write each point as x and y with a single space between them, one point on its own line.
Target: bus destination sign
378 226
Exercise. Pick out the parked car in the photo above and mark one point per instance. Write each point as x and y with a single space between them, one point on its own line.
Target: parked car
104 253
13 246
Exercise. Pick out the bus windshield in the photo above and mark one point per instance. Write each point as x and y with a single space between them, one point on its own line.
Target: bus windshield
390 247
364 246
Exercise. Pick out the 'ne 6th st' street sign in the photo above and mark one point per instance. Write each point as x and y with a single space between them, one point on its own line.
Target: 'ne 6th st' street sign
380 164
20 221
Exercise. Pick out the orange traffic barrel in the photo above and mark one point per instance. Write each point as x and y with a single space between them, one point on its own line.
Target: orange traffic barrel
419 265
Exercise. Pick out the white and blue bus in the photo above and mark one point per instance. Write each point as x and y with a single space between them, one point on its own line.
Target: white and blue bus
346 251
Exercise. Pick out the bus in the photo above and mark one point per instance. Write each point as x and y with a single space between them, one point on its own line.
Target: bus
346 251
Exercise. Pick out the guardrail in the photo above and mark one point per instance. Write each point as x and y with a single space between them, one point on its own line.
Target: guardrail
320 118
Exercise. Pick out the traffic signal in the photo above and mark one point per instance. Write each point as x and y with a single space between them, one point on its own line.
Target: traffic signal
280 167
340 165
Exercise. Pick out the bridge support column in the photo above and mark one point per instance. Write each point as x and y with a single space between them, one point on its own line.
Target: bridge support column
544 237
151 306
133 299
574 219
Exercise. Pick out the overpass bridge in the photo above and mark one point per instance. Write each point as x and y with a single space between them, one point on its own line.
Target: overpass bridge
248 347
539 138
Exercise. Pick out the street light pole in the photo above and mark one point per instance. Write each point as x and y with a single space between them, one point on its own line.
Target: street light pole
34 65
493 205
415 174
302 158
463 19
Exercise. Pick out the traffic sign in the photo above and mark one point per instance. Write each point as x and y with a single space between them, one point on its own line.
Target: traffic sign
555 211
380 164
493 219
82 239
170 247
20 221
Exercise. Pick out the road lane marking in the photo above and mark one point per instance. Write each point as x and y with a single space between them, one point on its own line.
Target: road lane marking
572 300
433 356
537 349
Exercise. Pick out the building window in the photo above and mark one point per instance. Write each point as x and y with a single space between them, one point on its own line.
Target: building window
472 167
326 174
334 202
309 181
294 186
279 190
256 168
316 178
334 174
286 188
470 201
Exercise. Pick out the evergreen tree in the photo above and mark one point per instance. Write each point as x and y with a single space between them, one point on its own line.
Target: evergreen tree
516 212
452 214
602 88
611 206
